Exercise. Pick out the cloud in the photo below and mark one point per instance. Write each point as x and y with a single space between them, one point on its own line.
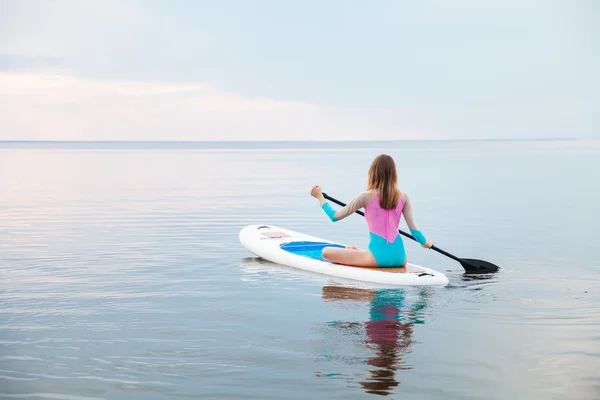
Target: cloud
57 105
66 29
60 106
104 38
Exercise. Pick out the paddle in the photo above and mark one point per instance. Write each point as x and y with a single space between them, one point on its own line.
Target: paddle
471 265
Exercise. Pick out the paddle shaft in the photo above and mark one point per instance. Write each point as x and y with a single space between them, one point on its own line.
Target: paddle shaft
433 247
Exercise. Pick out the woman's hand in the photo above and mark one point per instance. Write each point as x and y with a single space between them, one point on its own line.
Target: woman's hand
316 192
427 244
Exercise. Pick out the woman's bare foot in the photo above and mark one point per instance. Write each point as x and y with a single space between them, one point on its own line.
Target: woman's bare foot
353 247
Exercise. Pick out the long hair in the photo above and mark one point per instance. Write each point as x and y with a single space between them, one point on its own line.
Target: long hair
384 178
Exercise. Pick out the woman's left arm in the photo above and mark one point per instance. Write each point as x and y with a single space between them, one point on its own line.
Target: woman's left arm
356 204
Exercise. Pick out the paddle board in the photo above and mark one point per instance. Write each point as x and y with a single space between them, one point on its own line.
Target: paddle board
302 251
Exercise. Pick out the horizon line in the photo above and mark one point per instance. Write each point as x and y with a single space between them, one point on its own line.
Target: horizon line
301 140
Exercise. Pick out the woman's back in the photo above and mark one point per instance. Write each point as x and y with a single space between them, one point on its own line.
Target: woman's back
383 222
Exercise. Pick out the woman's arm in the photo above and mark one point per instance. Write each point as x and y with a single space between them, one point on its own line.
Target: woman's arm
414 230
356 204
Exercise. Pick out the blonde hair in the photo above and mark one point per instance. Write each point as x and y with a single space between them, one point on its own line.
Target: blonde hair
384 178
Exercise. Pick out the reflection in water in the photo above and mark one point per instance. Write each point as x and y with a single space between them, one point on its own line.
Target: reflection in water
478 277
478 282
389 331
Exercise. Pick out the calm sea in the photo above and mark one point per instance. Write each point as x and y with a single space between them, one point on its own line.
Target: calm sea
122 277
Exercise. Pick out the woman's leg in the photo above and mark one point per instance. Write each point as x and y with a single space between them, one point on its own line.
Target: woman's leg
349 256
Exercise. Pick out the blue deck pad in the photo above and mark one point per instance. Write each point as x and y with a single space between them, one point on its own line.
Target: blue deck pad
308 249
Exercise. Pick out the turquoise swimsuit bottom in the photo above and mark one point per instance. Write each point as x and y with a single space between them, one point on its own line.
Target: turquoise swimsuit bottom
387 254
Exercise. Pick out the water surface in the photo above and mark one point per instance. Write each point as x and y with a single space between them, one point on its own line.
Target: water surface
122 276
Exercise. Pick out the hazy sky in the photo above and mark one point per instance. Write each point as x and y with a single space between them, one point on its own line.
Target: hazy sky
290 69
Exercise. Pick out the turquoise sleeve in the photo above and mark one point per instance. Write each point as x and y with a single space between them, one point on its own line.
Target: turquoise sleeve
418 235
329 211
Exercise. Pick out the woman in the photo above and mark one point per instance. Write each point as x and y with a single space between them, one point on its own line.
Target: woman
384 205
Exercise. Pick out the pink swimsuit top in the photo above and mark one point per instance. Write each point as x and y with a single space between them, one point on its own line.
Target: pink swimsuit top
383 222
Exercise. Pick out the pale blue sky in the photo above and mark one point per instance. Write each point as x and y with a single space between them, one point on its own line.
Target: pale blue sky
201 70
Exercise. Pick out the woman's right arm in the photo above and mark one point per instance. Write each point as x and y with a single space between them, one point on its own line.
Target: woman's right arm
414 230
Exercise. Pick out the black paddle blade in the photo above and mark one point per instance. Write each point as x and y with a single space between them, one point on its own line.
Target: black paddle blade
473 266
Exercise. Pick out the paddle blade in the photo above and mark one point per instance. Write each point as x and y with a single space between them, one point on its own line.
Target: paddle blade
473 266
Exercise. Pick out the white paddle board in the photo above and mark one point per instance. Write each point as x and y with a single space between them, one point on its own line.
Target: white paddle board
298 250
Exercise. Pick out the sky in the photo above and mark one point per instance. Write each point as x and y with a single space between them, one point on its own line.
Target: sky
299 70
